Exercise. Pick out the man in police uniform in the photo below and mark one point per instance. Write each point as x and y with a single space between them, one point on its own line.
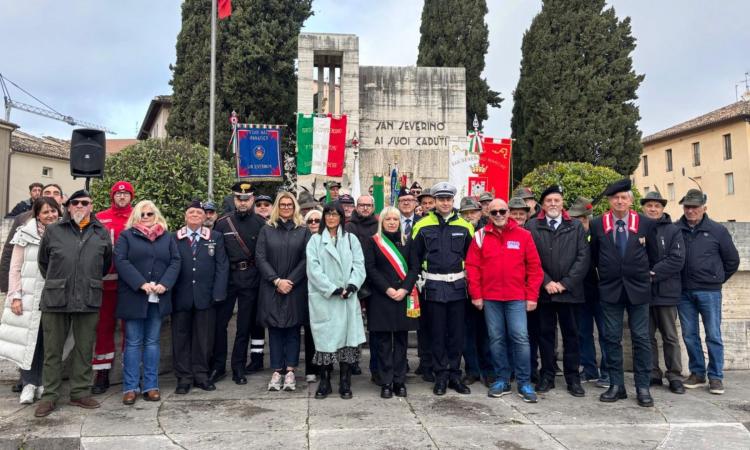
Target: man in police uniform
441 240
240 229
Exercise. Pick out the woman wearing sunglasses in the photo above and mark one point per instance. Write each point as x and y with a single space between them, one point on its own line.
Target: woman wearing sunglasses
148 263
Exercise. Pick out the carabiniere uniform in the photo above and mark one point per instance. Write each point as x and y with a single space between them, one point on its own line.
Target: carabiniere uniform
240 231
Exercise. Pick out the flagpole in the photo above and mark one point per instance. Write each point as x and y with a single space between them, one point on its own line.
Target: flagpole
211 108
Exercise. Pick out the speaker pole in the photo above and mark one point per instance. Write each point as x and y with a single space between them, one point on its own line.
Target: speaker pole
88 182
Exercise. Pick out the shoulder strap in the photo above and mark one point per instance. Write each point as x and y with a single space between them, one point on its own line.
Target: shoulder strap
240 241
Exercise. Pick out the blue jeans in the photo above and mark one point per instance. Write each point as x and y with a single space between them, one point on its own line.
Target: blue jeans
142 345
506 326
707 304
284 346
589 314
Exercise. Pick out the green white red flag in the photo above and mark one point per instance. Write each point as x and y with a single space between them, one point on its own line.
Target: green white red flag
475 142
321 145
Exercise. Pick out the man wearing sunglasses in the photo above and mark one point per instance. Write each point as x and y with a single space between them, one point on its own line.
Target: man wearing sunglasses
74 256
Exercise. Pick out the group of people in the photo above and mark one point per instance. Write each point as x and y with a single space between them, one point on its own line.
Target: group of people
488 283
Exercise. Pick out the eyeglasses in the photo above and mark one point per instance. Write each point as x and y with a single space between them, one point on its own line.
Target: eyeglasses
312 221
364 205
147 214
498 212
332 214
80 202
286 205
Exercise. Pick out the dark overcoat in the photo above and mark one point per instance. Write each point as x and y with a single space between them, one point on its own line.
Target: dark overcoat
204 276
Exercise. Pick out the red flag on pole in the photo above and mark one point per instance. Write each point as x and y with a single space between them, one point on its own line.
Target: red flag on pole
225 8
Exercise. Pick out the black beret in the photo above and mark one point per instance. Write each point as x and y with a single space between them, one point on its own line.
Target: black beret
618 186
554 189
78 194
194 204
403 192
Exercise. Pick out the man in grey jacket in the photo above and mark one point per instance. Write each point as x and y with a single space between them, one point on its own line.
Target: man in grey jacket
73 257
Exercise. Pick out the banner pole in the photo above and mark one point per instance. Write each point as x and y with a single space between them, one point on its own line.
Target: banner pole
211 109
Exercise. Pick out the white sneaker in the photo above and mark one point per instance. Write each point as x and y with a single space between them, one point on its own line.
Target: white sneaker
38 393
27 394
290 382
311 378
275 383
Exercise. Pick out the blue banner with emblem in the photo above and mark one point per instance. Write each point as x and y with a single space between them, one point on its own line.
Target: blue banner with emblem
258 152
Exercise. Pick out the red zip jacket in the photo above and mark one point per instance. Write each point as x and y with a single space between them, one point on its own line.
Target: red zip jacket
505 266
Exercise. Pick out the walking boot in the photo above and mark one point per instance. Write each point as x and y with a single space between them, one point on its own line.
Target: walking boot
256 363
345 381
101 382
324 386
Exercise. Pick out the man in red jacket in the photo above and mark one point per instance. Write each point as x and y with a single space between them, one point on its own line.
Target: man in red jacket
505 273
114 219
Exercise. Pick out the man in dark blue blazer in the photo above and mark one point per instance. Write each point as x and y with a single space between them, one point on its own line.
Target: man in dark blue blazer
204 274
619 250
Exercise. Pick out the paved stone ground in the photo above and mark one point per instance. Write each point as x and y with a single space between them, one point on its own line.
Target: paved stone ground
250 417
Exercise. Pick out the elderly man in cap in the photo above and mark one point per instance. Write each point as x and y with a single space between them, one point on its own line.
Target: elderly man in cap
484 200
619 241
426 201
114 218
590 312
406 206
415 189
347 203
564 252
333 188
518 210
471 211
306 202
665 292
441 240
209 208
240 230
528 196
711 258
74 256
262 205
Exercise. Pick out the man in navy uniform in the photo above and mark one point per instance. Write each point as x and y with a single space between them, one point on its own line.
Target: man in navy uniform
240 230
619 241
204 274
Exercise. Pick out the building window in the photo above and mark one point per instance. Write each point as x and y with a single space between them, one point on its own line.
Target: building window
47 172
696 154
646 190
645 165
668 154
727 146
730 183
670 190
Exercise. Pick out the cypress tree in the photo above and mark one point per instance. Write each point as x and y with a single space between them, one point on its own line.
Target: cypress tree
575 96
255 52
454 34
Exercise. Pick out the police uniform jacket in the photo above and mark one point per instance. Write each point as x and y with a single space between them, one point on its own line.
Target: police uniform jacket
668 260
204 276
441 246
242 266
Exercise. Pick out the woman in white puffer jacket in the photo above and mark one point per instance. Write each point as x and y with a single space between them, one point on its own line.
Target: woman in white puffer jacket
20 331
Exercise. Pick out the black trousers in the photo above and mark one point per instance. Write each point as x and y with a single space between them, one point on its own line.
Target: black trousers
447 335
532 323
310 367
638 322
424 345
550 315
192 342
390 352
247 304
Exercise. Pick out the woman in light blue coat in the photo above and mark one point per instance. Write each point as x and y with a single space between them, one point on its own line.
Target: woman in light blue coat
335 270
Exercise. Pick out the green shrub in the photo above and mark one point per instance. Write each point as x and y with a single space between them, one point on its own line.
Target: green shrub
576 179
169 172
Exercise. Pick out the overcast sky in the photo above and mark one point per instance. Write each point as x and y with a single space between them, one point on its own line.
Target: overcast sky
103 61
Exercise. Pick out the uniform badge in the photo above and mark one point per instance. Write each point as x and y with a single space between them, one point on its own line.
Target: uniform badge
642 240
211 248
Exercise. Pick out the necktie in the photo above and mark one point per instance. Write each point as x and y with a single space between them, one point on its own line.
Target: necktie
194 242
553 224
407 227
621 239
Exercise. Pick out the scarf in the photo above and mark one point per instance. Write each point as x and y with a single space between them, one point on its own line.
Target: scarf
151 233
84 222
397 261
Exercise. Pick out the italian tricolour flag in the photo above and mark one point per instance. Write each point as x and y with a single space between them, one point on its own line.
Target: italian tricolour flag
321 144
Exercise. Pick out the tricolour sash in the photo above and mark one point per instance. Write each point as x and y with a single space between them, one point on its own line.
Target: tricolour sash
398 263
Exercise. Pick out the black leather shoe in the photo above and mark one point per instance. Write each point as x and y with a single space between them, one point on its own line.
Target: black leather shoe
613 394
385 391
644 397
238 376
656 382
576 390
459 387
399 389
440 387
428 376
216 375
182 389
205 385
356 370
470 379
101 382
677 387
545 384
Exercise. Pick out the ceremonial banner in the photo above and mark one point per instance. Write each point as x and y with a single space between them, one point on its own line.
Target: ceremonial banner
460 165
494 165
477 185
321 145
258 152
394 186
378 193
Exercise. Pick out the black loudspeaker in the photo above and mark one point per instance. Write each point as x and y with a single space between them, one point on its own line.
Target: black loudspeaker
87 153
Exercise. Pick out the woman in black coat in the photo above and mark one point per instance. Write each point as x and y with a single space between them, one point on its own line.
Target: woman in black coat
282 297
392 309
147 263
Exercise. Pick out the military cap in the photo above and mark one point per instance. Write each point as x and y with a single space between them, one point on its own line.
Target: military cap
486 197
242 189
81 193
618 186
425 193
469 204
554 189
524 193
263 198
195 203
403 192
653 196
694 197
209 206
443 189
581 207
416 185
346 199
518 203
332 184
